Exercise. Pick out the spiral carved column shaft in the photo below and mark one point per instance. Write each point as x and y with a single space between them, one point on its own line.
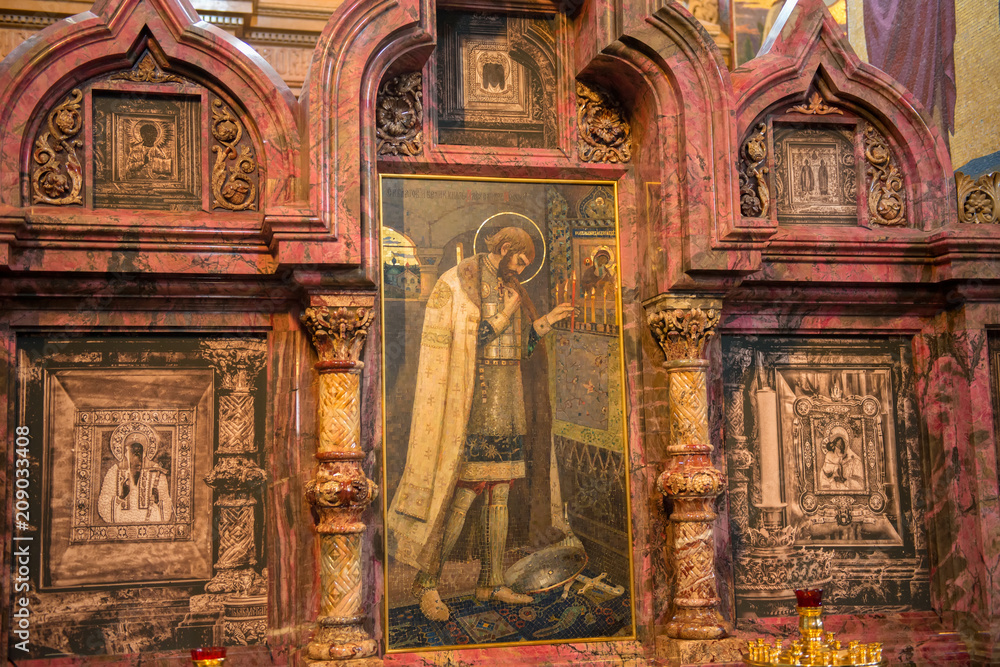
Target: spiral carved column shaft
682 327
340 491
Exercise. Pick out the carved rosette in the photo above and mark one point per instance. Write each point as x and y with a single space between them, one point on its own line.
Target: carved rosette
886 203
340 492
604 133
978 200
754 195
234 177
399 116
57 177
236 477
682 328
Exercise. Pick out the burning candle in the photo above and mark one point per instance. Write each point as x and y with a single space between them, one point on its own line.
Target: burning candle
593 304
604 305
572 317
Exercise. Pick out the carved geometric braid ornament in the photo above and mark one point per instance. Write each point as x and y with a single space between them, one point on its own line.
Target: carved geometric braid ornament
604 133
754 197
682 327
399 116
978 201
340 492
233 188
58 178
236 477
886 205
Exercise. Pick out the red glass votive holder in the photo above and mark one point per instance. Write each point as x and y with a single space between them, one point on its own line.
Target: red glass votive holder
208 657
812 597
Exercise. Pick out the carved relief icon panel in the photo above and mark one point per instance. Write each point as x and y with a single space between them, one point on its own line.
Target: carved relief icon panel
496 80
815 175
147 152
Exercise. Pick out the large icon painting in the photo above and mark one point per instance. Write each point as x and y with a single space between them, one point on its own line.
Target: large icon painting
505 454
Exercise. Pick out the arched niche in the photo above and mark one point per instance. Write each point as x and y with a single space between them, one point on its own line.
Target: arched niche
667 78
808 83
143 106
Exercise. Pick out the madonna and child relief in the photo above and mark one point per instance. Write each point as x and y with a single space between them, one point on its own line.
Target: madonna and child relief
483 541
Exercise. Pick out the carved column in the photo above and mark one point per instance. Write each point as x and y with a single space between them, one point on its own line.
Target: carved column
340 490
236 476
682 327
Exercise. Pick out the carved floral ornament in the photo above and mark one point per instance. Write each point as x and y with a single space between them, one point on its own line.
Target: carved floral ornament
233 185
399 116
816 107
338 333
886 203
57 178
683 332
754 195
978 200
146 71
604 133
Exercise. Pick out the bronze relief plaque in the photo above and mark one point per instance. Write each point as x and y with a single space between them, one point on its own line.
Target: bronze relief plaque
815 174
147 151
496 80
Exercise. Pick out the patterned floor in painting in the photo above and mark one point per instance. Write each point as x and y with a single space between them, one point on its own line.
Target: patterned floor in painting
548 618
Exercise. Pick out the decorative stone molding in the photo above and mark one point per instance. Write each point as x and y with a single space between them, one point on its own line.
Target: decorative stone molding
57 178
340 491
816 107
682 327
233 186
978 200
399 116
604 133
755 199
236 477
146 71
886 200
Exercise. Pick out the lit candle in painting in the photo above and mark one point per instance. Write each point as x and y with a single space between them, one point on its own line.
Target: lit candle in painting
770 458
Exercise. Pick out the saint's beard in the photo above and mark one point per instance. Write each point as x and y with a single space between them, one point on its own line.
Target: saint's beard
506 272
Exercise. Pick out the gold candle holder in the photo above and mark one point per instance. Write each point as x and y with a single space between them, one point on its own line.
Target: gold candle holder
815 648
210 662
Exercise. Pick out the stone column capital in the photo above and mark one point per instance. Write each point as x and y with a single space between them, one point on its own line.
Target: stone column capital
237 360
338 324
682 325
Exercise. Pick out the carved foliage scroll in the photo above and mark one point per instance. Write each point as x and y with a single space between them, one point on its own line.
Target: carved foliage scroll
978 200
886 200
234 178
754 196
399 113
57 177
605 134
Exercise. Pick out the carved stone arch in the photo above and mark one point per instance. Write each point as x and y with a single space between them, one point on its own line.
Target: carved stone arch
530 48
121 30
362 42
810 56
669 76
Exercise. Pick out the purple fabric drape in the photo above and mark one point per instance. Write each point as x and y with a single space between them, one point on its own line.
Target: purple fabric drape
914 42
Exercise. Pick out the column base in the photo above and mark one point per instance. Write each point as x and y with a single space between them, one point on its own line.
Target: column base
340 642
243 580
697 623
683 652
